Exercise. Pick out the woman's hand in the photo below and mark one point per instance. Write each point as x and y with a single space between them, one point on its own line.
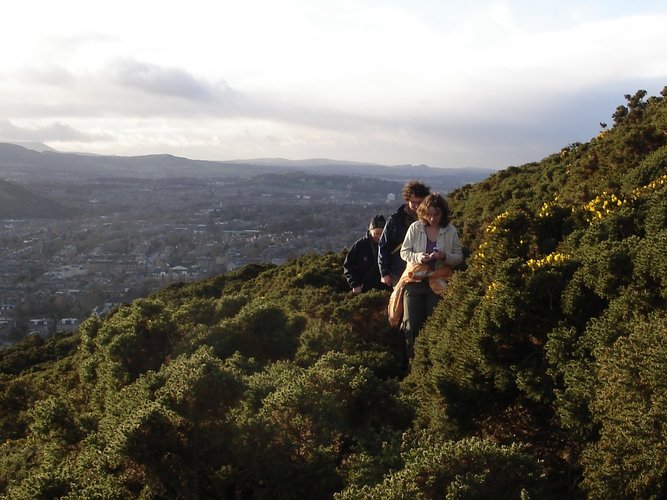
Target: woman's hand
425 258
438 255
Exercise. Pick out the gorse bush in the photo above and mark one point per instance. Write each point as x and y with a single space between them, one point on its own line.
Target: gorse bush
539 375
630 407
465 469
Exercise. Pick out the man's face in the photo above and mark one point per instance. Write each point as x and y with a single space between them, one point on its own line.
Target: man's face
413 203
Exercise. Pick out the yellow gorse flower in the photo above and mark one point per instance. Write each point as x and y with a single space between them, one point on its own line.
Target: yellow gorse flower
660 182
479 256
546 210
493 227
553 259
493 286
602 205
605 203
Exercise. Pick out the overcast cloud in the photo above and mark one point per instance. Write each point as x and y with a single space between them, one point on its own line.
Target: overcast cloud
491 84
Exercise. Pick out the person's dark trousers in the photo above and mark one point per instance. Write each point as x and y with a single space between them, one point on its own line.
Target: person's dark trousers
418 304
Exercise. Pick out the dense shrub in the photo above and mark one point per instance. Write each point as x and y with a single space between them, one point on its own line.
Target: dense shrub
466 469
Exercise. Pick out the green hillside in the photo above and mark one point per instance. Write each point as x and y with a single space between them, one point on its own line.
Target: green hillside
541 373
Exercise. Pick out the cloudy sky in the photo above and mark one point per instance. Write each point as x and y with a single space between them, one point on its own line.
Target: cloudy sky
440 82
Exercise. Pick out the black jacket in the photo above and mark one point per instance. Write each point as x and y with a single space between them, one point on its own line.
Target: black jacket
389 251
360 266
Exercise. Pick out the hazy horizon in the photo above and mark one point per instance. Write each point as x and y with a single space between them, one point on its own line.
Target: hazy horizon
41 147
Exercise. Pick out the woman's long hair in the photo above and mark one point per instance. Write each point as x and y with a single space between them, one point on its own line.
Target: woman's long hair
436 201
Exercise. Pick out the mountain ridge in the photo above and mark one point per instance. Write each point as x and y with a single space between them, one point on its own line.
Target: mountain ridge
13 158
33 171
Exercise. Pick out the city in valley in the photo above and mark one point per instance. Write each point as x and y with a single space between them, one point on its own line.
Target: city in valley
81 234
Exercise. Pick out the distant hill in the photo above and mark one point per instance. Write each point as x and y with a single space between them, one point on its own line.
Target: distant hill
17 162
35 146
441 178
16 202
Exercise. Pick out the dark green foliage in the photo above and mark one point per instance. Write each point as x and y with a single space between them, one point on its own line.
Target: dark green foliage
466 469
164 434
630 406
33 350
260 330
320 272
187 399
16 397
297 432
55 419
650 168
133 340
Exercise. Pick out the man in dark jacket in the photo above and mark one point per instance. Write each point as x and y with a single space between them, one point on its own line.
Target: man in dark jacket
360 267
390 263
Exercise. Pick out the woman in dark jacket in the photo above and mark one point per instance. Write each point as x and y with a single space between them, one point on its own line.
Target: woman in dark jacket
360 267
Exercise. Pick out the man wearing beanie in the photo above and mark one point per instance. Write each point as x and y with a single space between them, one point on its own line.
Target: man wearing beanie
360 267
